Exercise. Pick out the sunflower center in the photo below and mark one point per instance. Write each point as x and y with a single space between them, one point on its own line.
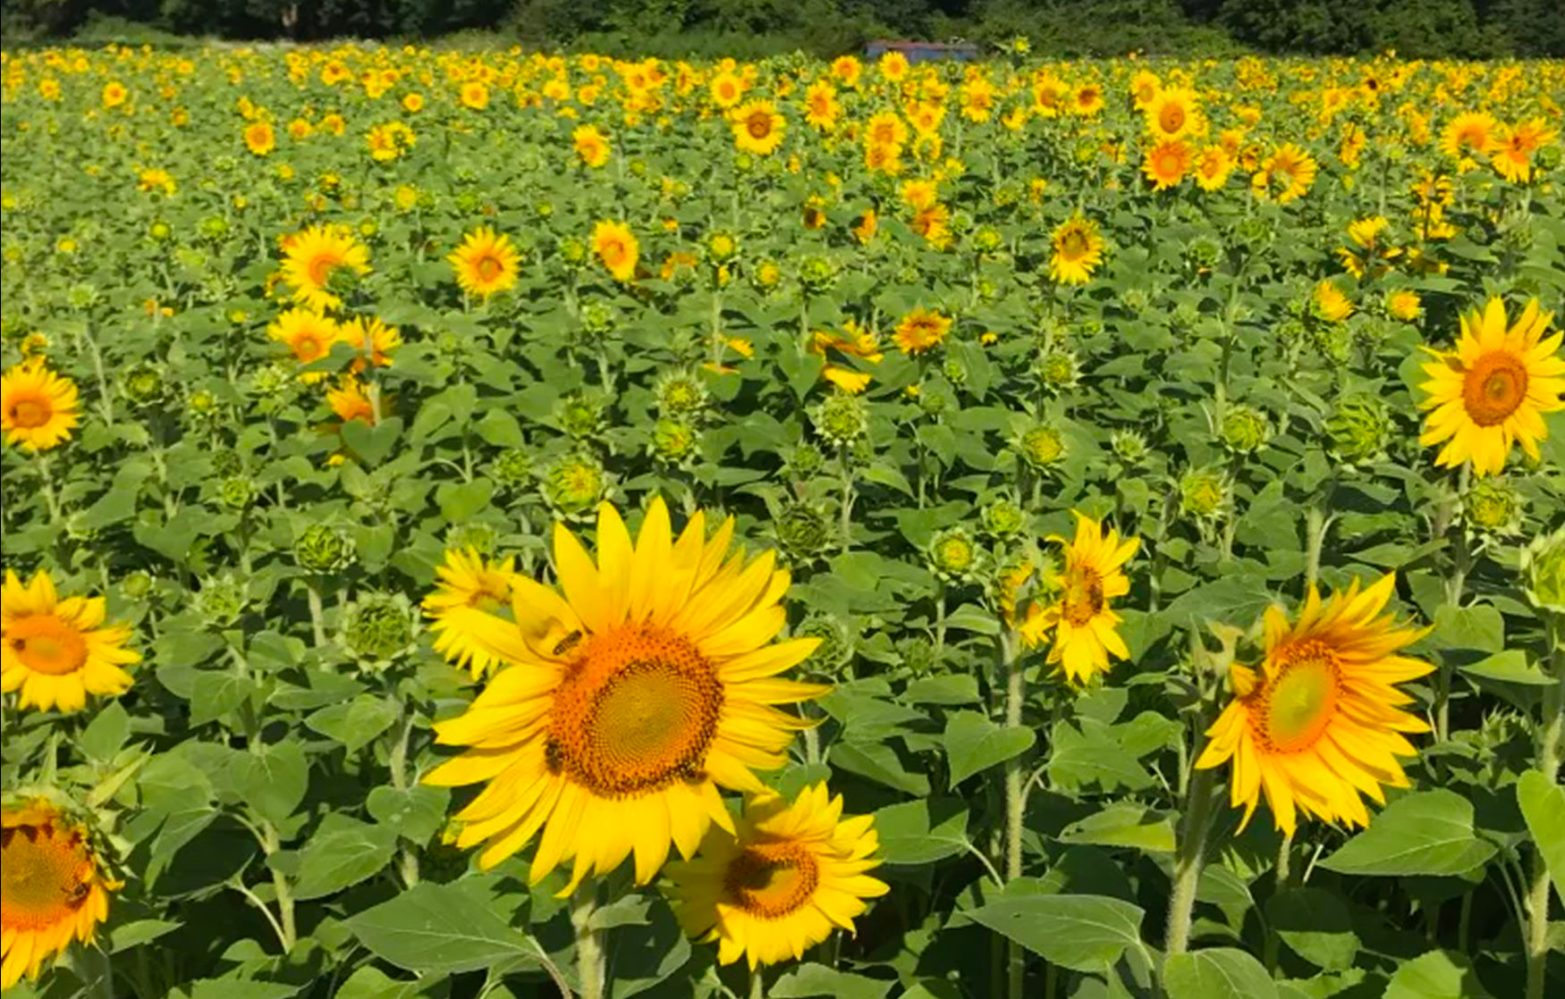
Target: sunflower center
1494 387
771 880
759 125
30 413
613 252
1171 117
42 877
1083 597
1300 703
488 268
1073 244
307 347
320 268
637 711
47 645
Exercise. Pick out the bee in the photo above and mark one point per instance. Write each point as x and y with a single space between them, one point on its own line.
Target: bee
568 643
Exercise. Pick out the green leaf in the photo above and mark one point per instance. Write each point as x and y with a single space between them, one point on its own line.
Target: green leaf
500 428
460 502
1436 975
130 935
974 743
971 617
1427 832
921 832
217 693
808 980
440 929
1510 666
1219 973
1082 932
340 853
645 954
878 762
1124 824
1315 925
101 739
356 723
416 812
275 780
371 444
1543 806
369 982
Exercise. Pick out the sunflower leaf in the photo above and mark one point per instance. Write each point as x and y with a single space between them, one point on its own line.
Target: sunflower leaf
1427 832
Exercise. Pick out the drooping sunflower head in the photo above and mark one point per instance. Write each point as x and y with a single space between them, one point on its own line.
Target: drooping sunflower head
781 880
626 698
486 262
1321 722
469 584
1078 250
308 335
54 888
312 259
55 652
38 408
348 401
1492 390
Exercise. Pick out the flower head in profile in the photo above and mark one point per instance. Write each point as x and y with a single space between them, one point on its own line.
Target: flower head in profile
781 880
1286 175
1083 625
471 589
1491 390
1321 723
55 651
38 408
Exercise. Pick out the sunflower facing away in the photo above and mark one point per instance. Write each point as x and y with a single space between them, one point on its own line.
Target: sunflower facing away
627 698
470 588
1493 388
1078 250
617 248
38 408
313 257
1321 723
52 888
1083 624
55 652
485 263
308 335
781 882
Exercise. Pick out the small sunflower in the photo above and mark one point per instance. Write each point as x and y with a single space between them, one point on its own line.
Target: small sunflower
1514 146
53 888
758 128
1493 388
372 340
627 698
1166 164
260 138
1081 619
55 652
1286 175
471 588
591 145
1322 721
38 408
485 263
1331 303
617 248
1213 166
921 330
308 335
781 881
1469 135
349 402
1078 250
312 258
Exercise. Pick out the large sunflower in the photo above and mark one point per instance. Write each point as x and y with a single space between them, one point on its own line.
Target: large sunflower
1321 723
781 882
1493 388
56 652
1173 113
485 263
471 588
1469 135
1080 618
627 700
1167 163
313 257
53 888
308 335
38 408
758 128
1078 250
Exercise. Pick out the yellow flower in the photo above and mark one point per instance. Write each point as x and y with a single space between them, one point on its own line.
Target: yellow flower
1515 145
591 145
921 330
156 180
308 335
1321 723
38 408
617 248
1331 303
1083 624
413 103
820 105
628 697
1166 164
1286 175
781 881
372 340
471 590
485 263
1173 113
313 257
260 138
114 94
474 95
1078 250
55 652
1470 134
53 888
1405 305
726 89
348 401
1492 390
757 127
1212 168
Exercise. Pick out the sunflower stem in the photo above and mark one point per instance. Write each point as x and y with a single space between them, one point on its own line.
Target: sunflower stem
317 613
757 982
589 942
1551 749
1187 863
1015 802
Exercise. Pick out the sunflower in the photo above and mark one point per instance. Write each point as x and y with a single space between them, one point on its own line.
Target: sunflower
1078 250
782 881
53 888
1371 255
758 128
617 248
1331 304
308 335
1212 168
820 106
38 408
485 263
1144 88
1173 113
1493 388
260 138
469 585
372 340
1514 147
349 402
1083 625
56 652
474 95
921 330
314 257
1468 135
1166 164
1286 175
726 89
1321 722
591 145
854 341
1404 304
626 700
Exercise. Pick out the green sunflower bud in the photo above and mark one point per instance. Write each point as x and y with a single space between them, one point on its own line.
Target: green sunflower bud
1245 429
1203 494
323 548
802 531
1041 446
573 484
513 468
379 627
674 441
1359 429
1543 569
1493 506
841 419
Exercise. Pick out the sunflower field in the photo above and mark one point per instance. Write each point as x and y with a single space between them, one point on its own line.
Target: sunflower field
483 523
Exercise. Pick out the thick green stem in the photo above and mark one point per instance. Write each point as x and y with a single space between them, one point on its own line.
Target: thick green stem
589 942
1015 800
1315 525
1551 750
758 982
317 613
1187 862
270 844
